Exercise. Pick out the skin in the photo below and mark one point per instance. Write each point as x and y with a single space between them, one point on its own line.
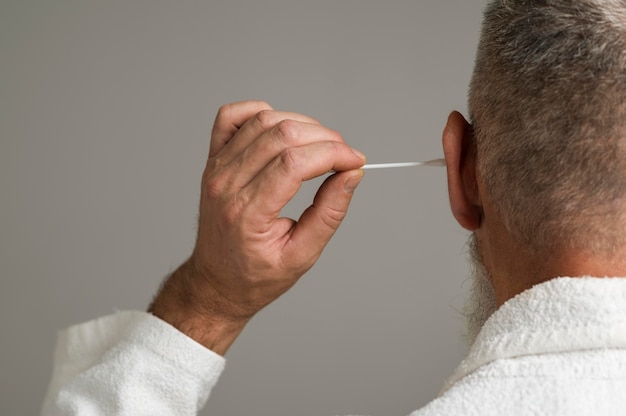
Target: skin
512 266
245 256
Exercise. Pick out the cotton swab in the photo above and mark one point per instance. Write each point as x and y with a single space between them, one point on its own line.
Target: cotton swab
435 162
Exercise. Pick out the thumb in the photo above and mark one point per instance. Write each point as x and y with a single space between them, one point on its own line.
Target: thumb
319 222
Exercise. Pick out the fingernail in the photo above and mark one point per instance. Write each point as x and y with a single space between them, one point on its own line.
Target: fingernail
351 183
359 154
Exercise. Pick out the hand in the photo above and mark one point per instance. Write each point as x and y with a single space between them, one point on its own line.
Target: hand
245 255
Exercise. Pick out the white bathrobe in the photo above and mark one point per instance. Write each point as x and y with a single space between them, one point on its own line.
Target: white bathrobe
556 349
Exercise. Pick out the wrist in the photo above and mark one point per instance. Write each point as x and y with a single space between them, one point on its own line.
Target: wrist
196 313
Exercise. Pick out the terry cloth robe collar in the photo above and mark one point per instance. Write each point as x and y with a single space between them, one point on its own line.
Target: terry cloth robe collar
560 315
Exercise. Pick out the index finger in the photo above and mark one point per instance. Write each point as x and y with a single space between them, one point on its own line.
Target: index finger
269 192
229 119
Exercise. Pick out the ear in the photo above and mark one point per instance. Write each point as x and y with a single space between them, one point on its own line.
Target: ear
458 148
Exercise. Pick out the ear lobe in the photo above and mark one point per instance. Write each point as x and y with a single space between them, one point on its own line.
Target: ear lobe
458 148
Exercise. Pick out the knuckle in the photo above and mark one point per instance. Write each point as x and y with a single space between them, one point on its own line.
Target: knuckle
224 111
265 119
289 160
333 217
216 180
335 136
336 147
286 130
214 187
234 209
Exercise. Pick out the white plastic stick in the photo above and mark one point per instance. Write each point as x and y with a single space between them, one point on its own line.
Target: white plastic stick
436 162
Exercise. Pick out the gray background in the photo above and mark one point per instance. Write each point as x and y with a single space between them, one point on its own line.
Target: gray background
105 113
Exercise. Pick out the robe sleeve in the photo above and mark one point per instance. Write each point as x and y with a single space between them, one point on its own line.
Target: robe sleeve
130 363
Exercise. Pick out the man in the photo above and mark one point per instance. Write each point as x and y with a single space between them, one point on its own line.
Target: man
539 177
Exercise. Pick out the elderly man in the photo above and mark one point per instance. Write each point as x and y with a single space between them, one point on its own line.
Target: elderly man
539 177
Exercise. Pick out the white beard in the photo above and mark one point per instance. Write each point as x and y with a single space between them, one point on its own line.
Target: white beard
481 302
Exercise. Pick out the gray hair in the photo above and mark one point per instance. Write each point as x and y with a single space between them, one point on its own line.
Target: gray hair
548 108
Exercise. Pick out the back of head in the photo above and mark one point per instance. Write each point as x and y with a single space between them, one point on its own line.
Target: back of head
548 106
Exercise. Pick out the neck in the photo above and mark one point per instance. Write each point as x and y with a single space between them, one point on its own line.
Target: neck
514 267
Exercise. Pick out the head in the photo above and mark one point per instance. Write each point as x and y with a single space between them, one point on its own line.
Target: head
542 162
548 110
